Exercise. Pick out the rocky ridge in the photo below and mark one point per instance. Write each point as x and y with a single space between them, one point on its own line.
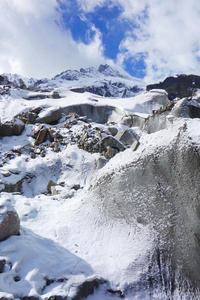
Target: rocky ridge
106 81
178 86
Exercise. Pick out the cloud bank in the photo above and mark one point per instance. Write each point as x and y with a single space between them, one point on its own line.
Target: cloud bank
158 38
34 44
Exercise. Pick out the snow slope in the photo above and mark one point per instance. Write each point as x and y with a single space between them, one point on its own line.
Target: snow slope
67 239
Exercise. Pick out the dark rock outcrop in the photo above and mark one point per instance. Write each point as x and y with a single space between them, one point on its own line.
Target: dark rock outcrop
178 86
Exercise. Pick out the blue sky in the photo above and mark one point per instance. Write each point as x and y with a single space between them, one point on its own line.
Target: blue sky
150 39
113 30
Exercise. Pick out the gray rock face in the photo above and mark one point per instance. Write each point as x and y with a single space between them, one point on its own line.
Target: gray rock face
9 221
161 190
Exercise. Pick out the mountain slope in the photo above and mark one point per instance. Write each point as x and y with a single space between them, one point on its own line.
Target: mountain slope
106 81
178 86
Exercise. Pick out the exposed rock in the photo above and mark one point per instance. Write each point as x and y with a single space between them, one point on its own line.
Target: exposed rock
15 127
9 221
178 86
2 264
33 155
186 108
135 145
127 137
55 95
113 130
110 152
41 136
6 174
51 187
57 297
112 142
75 187
87 288
49 116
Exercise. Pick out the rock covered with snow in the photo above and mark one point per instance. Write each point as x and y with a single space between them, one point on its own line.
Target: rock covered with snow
14 127
186 108
9 220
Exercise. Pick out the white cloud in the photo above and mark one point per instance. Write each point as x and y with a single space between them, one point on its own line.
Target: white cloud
169 38
33 45
167 34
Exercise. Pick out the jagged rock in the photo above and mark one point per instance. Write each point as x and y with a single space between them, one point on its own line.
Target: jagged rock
127 137
15 127
9 221
49 116
186 108
41 136
112 142
178 86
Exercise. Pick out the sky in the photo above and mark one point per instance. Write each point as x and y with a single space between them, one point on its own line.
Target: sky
150 39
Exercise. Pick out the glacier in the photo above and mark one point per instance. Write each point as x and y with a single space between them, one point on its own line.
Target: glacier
125 226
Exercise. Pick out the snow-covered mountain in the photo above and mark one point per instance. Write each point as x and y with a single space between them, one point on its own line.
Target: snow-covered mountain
99 196
106 81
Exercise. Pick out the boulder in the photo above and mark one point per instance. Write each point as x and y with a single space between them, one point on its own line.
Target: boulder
49 115
41 136
127 137
112 142
9 221
14 127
